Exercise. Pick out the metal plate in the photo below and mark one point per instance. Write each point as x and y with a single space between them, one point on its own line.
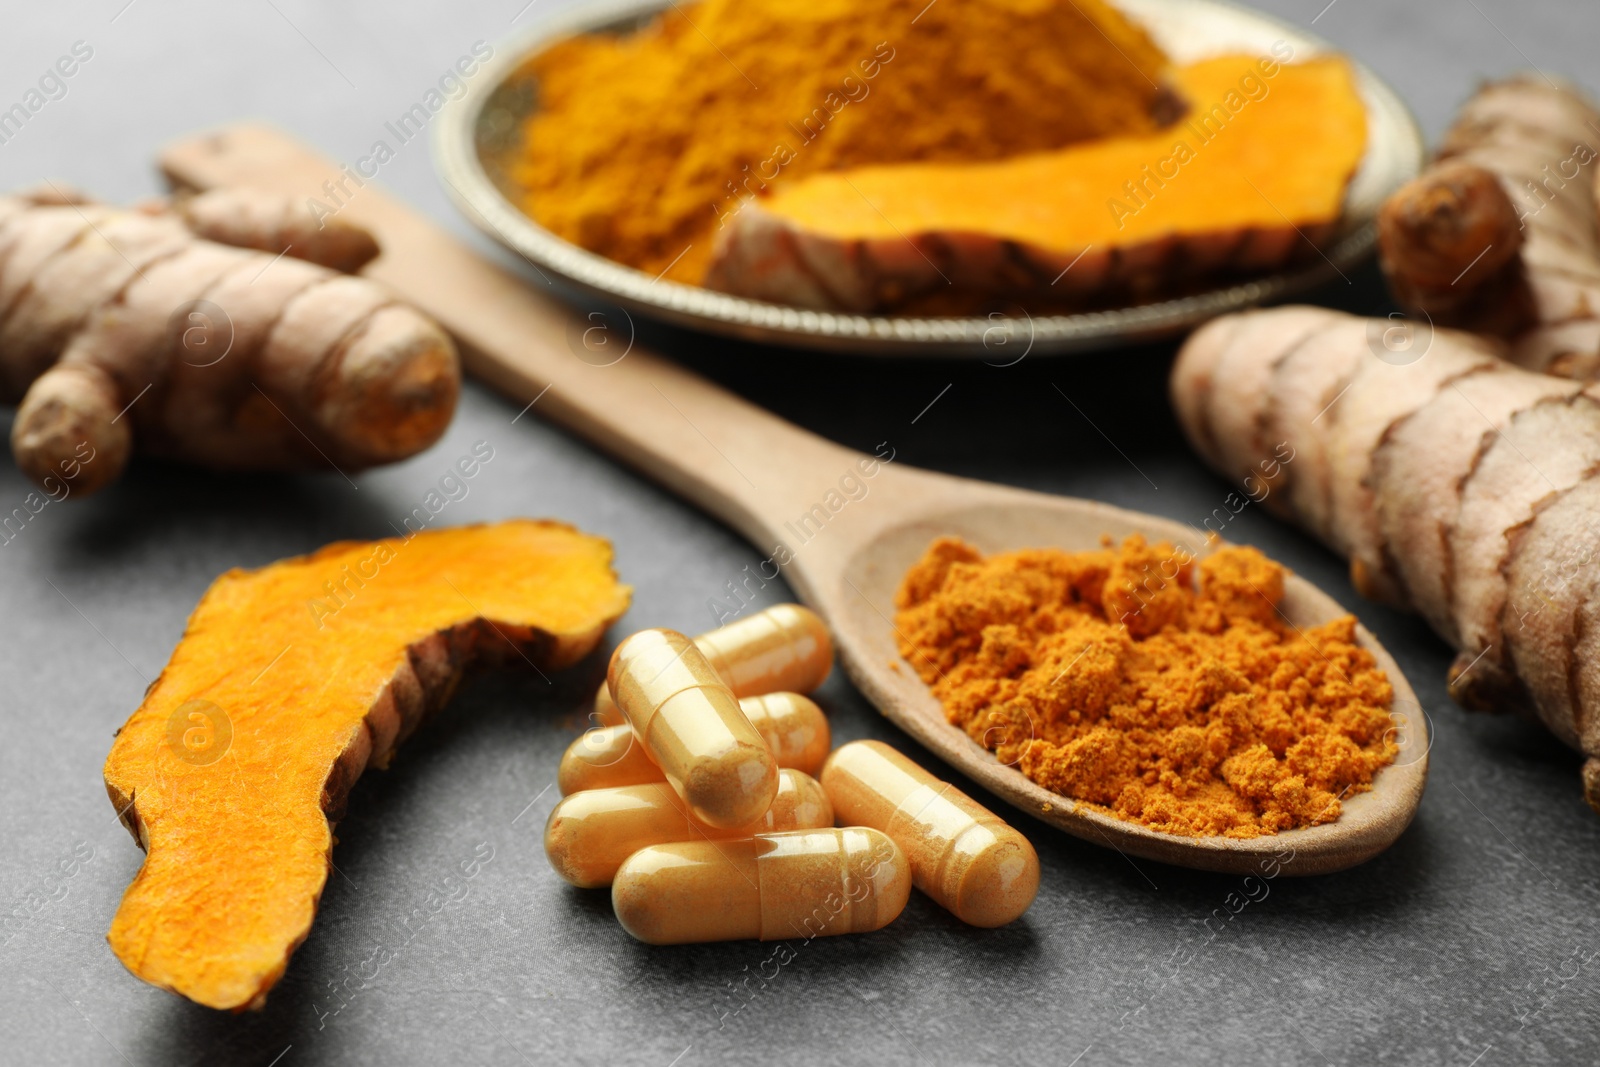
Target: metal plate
483 128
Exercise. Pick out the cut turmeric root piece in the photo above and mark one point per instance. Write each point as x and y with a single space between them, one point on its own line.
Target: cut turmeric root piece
289 681
1250 181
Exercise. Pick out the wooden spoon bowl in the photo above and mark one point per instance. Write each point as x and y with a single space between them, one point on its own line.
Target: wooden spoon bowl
846 544
860 608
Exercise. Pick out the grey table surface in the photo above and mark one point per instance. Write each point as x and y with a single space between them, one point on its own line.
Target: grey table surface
1468 943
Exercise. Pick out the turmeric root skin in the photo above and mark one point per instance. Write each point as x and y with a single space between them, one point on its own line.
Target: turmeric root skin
1448 236
68 430
271 222
123 331
1521 262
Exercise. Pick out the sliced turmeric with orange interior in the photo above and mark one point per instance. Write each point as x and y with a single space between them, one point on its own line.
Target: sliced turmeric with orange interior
1251 179
288 682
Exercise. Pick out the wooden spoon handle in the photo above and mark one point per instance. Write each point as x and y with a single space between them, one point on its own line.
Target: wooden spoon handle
737 461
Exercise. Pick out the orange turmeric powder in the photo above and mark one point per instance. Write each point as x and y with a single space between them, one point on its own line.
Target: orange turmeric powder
644 145
1109 677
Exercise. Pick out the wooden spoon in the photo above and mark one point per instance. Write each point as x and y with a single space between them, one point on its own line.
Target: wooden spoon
776 483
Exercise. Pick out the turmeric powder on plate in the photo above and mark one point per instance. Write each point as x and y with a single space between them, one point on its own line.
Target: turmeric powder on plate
1114 678
644 145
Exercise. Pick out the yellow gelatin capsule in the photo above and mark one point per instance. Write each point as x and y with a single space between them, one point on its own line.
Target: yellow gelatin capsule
792 726
803 884
604 758
962 854
784 648
590 833
692 728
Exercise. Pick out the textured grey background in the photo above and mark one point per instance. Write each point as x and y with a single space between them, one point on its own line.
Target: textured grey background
1470 942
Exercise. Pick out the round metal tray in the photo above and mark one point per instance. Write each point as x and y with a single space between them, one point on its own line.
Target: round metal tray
482 130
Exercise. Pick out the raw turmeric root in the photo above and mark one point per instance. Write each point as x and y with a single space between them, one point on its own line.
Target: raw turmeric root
1229 190
1501 235
1457 484
268 222
123 329
288 683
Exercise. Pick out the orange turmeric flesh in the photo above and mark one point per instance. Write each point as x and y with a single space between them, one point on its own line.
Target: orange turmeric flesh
1252 180
1108 677
288 682
1235 162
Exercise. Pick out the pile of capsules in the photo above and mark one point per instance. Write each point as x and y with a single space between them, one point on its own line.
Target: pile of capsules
695 801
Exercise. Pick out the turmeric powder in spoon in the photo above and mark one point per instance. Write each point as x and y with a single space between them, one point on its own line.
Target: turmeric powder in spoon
1114 678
